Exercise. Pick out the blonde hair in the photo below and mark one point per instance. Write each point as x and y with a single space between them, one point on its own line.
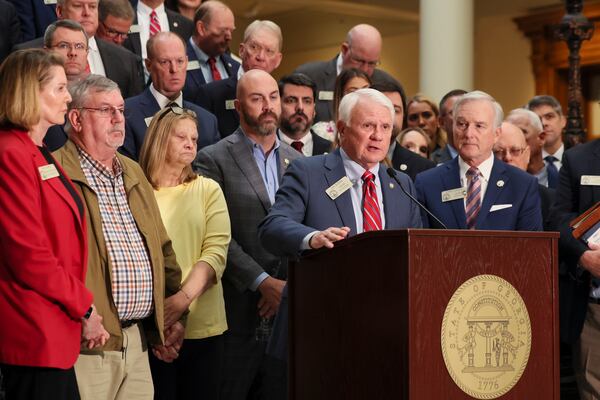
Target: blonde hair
22 75
440 138
153 154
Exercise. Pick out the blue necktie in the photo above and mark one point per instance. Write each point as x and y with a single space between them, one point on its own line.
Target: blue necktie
552 171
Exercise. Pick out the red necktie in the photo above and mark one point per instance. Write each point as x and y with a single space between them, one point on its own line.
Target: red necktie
371 213
213 69
298 145
473 197
154 23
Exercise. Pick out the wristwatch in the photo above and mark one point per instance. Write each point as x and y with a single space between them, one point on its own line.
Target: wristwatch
88 314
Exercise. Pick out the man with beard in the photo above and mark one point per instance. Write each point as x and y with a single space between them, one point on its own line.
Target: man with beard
401 158
167 64
248 165
131 263
298 95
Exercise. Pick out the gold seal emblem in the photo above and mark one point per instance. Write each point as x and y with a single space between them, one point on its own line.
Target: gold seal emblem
486 337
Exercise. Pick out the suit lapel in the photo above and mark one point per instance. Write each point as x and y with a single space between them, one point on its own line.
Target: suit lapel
388 190
148 104
492 192
596 170
334 171
451 180
134 38
242 155
195 74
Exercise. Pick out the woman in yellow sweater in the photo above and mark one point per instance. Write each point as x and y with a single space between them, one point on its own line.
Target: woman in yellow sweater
195 215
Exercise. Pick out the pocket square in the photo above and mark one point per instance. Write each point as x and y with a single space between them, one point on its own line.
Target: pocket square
497 207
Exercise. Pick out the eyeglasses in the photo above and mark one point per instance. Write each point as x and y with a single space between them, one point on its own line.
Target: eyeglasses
113 33
66 46
107 111
255 48
513 151
361 62
175 109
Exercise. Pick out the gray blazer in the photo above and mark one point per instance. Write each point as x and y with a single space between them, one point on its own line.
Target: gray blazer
230 162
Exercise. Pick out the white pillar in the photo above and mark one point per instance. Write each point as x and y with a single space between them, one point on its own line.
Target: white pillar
446 46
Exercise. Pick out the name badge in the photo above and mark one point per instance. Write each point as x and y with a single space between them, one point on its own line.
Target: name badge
454 194
48 171
590 180
134 29
230 104
326 95
148 120
49 2
193 65
337 189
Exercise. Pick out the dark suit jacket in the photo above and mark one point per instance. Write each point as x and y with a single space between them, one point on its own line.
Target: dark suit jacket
56 137
547 197
572 199
120 65
35 16
441 155
507 186
11 28
408 162
144 106
177 24
320 145
195 79
214 97
324 74
230 162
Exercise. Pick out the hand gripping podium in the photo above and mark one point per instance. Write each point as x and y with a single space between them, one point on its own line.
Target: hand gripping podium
426 314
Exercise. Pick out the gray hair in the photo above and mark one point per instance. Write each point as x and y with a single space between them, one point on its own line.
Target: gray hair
81 91
529 115
478 95
116 8
350 101
62 23
545 100
258 24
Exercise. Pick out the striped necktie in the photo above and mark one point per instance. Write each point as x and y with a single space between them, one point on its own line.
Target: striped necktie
473 197
154 23
371 213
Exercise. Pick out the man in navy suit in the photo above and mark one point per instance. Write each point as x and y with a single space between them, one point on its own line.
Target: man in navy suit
260 49
167 63
214 24
35 16
492 194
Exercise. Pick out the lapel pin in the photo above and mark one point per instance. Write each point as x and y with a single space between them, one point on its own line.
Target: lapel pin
175 24
286 162
500 183
403 167
391 185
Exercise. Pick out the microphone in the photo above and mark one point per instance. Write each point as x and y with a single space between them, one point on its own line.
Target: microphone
392 173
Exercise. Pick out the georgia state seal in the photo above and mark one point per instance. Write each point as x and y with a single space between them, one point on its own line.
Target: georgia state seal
486 337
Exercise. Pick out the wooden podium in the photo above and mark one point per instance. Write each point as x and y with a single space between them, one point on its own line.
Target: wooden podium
366 316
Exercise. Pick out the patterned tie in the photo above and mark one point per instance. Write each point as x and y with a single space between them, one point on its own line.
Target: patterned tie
552 171
473 197
216 75
371 214
298 145
154 23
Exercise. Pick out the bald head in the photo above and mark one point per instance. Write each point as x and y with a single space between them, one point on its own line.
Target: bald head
511 146
258 103
214 25
362 48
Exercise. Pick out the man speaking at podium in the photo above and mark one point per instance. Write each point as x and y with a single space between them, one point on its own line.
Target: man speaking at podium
323 199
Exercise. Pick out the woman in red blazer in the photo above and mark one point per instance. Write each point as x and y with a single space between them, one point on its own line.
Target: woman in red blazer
43 298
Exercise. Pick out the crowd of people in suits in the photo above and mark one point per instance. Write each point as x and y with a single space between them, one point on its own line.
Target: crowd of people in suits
155 186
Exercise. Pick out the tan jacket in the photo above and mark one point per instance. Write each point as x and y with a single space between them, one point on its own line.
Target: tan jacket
165 271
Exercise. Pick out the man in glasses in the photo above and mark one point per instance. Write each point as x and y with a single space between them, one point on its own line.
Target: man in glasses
208 47
474 190
131 263
260 49
512 148
361 49
167 64
116 17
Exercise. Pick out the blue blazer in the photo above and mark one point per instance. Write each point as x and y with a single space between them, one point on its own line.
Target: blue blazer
302 206
194 78
507 186
35 16
144 105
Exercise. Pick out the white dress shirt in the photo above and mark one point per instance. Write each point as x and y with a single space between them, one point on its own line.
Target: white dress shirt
162 100
143 18
94 58
558 155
